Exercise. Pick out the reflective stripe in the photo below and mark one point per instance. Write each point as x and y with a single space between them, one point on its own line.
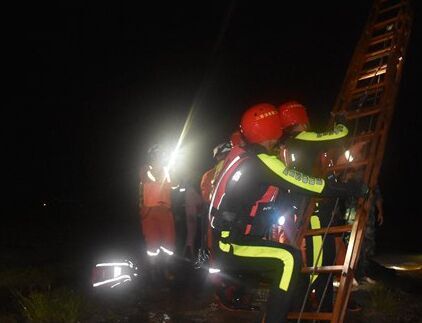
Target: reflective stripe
218 185
292 176
269 252
153 253
317 245
225 234
167 251
339 131
224 246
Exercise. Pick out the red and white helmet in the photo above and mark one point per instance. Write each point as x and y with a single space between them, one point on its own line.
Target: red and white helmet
260 123
292 113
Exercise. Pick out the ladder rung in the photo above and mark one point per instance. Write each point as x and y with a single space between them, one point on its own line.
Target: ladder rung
375 71
390 8
331 230
385 22
323 316
365 137
382 37
323 269
362 113
380 53
369 88
353 164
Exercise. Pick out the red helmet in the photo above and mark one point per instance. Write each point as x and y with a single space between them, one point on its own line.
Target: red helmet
236 138
260 123
292 113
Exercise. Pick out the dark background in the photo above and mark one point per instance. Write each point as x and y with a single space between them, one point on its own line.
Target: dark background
89 87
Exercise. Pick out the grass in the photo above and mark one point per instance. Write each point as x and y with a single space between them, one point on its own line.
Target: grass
28 278
60 305
383 299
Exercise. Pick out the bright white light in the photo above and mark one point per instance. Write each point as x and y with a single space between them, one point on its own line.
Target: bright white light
293 157
348 156
167 174
400 58
213 270
150 176
111 280
44 204
108 264
236 176
152 253
116 284
117 271
281 220
182 189
167 251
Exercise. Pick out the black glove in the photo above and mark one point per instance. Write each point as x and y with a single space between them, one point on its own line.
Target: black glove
340 118
359 189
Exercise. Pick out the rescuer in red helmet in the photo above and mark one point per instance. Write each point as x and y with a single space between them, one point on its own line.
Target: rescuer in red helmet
302 150
157 220
243 207
294 121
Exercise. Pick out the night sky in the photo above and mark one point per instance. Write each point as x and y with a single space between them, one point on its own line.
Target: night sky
90 87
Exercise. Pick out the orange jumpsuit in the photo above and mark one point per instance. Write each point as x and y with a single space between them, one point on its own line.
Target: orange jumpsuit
157 220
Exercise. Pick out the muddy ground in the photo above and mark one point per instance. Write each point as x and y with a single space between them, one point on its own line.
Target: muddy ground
189 297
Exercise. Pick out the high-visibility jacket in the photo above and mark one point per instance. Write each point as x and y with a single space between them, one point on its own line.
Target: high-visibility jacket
250 183
155 187
301 149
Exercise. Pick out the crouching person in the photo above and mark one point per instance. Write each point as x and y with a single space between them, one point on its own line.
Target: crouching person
243 207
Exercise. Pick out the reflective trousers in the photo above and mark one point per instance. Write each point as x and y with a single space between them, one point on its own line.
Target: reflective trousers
322 283
158 228
279 262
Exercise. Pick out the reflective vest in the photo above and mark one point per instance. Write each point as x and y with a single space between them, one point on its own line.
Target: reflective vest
233 161
156 188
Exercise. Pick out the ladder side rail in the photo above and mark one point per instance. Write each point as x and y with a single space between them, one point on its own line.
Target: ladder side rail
387 101
353 69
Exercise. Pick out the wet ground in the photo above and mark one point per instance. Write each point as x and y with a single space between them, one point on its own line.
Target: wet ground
396 295
392 296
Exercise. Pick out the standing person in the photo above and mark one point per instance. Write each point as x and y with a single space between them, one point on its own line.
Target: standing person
243 205
207 183
193 207
155 208
300 149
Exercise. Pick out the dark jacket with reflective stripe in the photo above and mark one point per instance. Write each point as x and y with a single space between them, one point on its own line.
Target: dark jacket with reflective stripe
307 146
253 177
